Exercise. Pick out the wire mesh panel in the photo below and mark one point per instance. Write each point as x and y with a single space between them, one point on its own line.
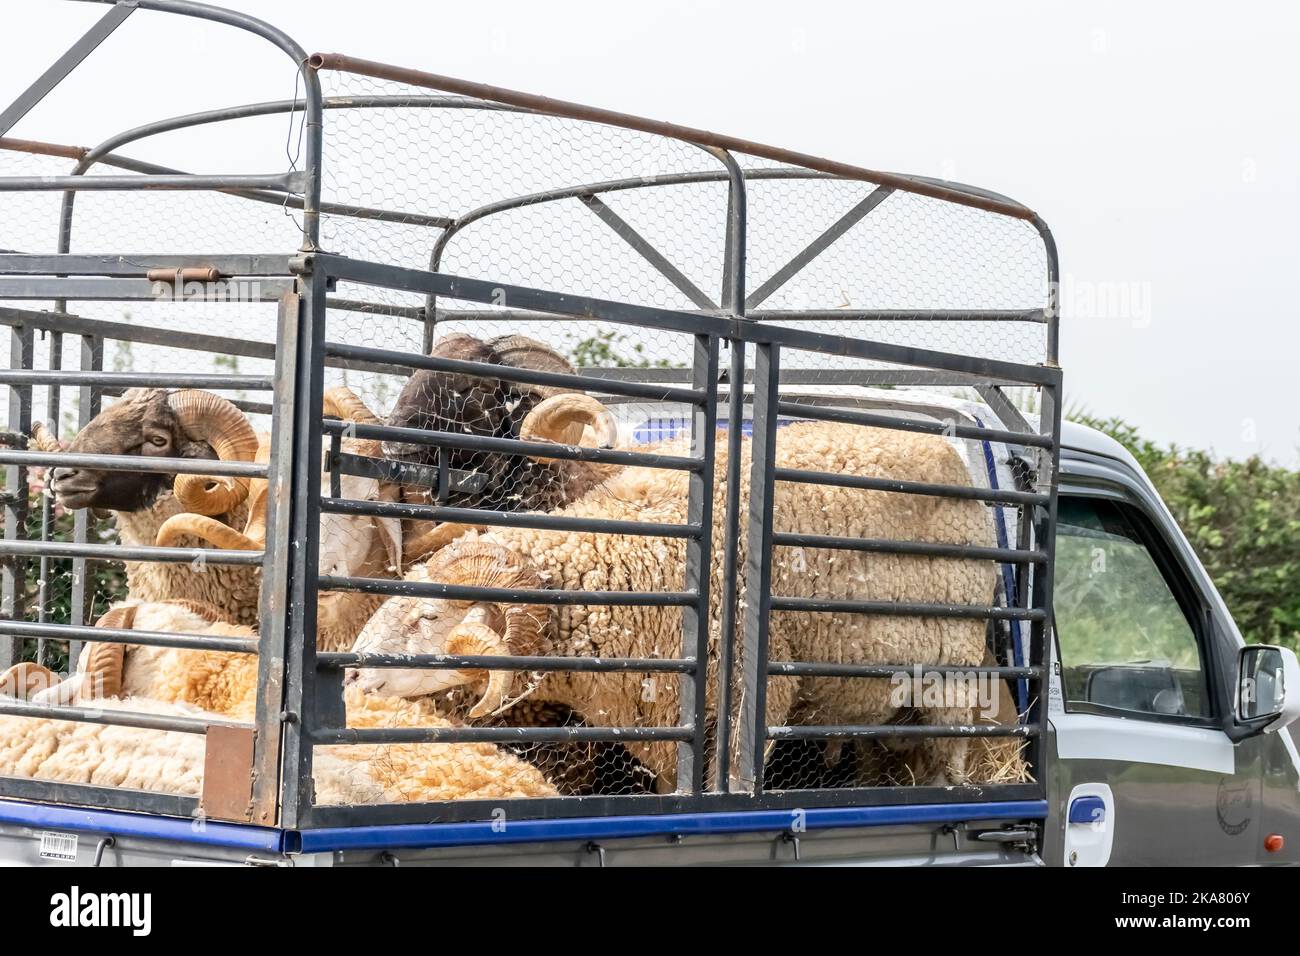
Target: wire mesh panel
883 595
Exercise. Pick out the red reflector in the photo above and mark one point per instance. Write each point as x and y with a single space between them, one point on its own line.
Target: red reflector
1273 842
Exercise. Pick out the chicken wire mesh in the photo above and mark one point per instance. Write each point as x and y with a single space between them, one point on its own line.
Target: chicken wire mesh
809 565
483 191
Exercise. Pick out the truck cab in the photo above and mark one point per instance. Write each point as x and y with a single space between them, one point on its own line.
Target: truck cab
1154 762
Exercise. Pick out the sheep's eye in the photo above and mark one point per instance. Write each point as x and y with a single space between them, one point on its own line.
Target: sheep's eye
158 440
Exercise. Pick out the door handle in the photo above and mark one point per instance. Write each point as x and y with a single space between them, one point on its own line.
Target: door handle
1088 809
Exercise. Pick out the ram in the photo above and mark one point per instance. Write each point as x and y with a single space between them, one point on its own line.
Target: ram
526 558
179 424
477 404
358 545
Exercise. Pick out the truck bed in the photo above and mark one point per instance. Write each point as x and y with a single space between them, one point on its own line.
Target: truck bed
962 834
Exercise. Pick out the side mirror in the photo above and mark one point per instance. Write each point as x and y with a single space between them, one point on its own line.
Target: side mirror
1268 688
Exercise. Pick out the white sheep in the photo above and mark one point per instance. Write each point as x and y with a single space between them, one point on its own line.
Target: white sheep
223 685
510 557
173 762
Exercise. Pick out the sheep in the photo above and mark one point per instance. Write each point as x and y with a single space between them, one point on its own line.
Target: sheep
156 423
206 511
527 558
218 681
226 683
173 762
223 685
478 405
351 545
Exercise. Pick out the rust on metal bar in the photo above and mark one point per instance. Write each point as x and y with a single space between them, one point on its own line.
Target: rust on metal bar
185 275
594 114
43 149
228 773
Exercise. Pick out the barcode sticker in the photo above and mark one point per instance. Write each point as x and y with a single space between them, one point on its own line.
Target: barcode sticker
58 846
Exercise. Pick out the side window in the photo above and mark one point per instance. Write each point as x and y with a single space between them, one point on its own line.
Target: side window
1126 643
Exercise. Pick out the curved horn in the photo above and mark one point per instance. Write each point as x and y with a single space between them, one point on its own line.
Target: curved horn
520 351
43 439
105 663
561 419
433 541
475 638
486 564
210 418
343 403
209 529
26 679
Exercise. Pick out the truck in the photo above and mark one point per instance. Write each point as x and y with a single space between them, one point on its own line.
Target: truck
703 288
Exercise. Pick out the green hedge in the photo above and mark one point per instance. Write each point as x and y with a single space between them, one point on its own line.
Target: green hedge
1243 519
108 578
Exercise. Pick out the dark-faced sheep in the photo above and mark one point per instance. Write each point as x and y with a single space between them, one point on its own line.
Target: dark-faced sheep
349 545
478 404
154 423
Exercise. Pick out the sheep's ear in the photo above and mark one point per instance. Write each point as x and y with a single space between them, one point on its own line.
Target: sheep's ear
390 529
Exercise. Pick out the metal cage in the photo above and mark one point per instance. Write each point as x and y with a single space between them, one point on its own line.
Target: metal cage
756 353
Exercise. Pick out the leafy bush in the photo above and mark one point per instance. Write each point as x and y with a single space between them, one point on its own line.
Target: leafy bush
605 350
107 579
1242 518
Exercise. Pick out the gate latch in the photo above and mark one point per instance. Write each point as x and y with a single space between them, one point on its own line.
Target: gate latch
184 275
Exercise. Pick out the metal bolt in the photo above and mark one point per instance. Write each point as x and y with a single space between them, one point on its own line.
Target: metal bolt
1074 857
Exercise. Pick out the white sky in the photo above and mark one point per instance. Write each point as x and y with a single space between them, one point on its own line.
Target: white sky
1160 141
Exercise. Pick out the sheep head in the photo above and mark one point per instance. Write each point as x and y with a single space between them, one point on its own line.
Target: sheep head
155 423
344 548
450 401
479 405
404 626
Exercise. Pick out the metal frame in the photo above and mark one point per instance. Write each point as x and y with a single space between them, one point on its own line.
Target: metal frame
299 704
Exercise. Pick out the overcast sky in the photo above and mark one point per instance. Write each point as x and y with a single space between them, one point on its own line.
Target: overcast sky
1160 141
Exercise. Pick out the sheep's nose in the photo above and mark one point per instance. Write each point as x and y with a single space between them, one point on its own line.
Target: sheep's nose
63 474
